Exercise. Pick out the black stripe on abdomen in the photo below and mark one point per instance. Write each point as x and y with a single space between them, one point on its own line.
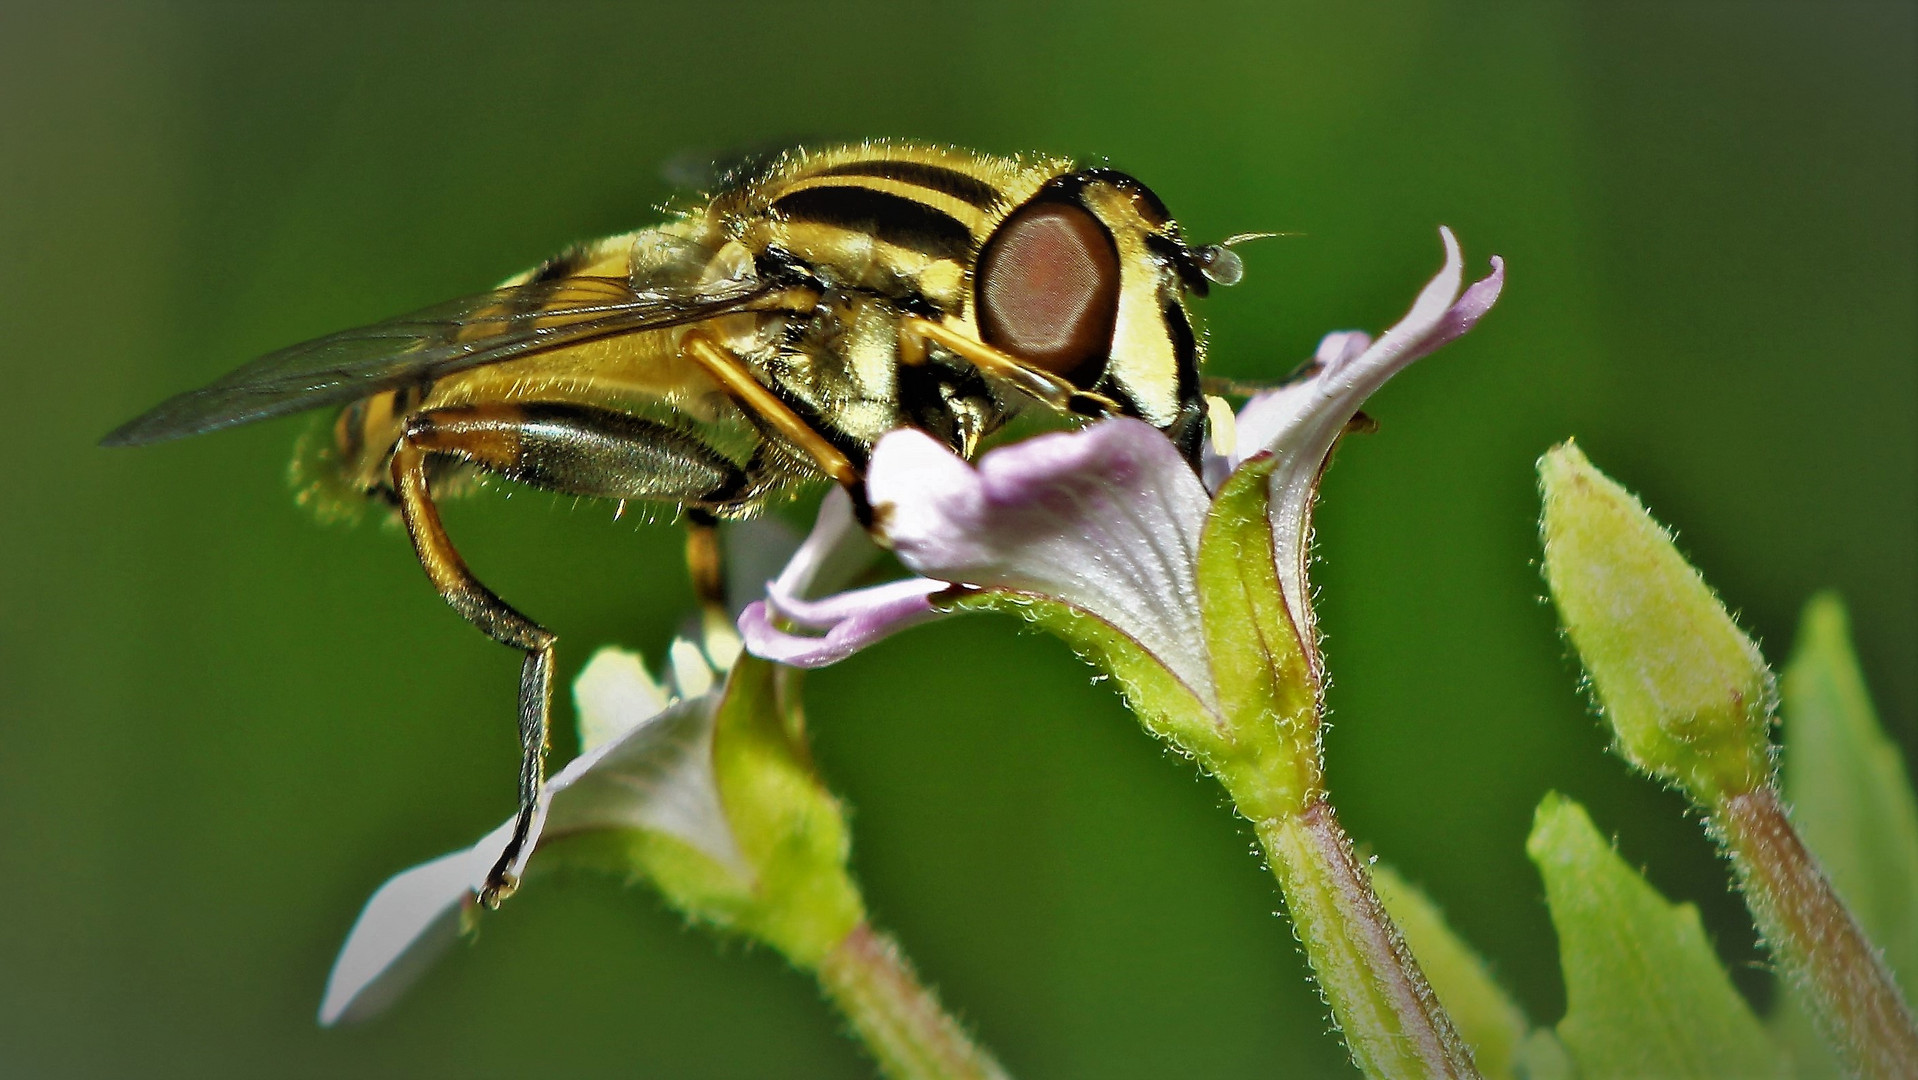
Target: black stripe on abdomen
892 218
967 189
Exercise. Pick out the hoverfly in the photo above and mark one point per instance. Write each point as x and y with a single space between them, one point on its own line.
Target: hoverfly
751 345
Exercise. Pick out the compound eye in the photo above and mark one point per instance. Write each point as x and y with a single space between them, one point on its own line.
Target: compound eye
1048 288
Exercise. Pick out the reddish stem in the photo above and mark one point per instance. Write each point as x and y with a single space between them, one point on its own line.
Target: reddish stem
1821 947
898 1017
1393 1023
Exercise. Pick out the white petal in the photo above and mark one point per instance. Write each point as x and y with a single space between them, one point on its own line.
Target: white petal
1299 423
721 643
406 925
614 692
692 675
836 551
656 773
1105 519
658 776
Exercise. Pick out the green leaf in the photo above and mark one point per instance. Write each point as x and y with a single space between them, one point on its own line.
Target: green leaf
1645 995
1850 794
1852 803
1491 1023
1812 1058
1686 692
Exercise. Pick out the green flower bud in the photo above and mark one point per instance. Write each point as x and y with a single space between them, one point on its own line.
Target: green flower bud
1687 694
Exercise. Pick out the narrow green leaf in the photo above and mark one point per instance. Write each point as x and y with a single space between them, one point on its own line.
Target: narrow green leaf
1645 995
1850 794
1852 803
1491 1023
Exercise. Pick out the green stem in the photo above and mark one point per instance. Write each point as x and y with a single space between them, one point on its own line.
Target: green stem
1393 1024
898 1017
1819 944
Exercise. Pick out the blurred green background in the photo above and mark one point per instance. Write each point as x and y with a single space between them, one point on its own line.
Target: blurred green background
221 725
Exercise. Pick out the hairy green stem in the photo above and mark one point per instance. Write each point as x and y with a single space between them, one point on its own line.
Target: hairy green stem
1816 939
897 1017
1263 745
1393 1024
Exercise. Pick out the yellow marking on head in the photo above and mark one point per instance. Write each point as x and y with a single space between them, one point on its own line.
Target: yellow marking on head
1144 361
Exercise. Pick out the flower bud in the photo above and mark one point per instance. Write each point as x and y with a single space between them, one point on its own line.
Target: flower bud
1687 694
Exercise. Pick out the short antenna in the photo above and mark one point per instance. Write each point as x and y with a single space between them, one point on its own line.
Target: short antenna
1218 262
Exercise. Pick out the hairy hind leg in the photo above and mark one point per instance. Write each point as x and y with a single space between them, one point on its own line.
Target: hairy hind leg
568 448
484 609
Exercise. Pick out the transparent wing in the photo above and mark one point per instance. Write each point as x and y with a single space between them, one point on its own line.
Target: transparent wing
418 348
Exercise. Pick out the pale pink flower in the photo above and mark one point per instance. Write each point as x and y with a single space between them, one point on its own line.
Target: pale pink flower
1106 519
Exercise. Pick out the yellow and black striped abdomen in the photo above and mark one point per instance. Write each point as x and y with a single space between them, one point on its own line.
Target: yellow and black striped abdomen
337 470
339 466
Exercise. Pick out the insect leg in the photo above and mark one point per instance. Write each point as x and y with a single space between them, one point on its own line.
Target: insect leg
703 563
583 450
706 567
481 607
732 374
1221 386
574 449
916 332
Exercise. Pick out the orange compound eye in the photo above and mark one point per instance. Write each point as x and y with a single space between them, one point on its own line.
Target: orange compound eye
1048 290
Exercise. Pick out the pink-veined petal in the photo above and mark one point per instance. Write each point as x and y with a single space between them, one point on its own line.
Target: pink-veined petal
1299 423
851 621
1268 416
836 551
1105 519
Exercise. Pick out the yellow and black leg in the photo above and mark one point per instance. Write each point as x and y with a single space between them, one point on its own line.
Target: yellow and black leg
733 375
571 449
766 407
769 410
704 564
915 333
